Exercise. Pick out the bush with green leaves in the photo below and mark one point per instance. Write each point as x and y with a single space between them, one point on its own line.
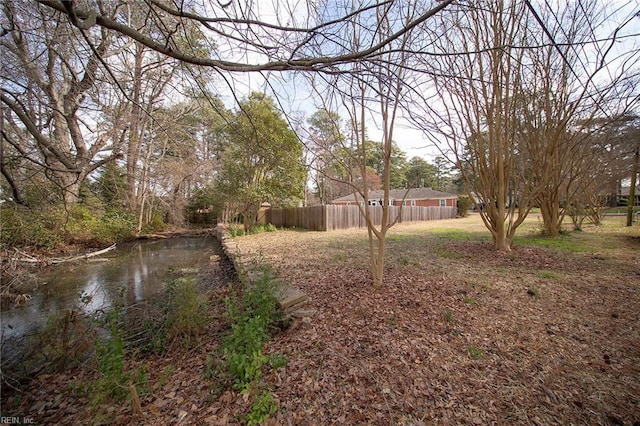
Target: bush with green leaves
87 226
55 226
156 224
252 316
243 351
260 301
235 231
116 224
263 406
24 227
187 311
465 203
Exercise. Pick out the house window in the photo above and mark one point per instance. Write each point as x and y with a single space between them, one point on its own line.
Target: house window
413 203
443 203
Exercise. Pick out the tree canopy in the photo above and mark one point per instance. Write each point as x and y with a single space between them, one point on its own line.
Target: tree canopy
512 93
262 161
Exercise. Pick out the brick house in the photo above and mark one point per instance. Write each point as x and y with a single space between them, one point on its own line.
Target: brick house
416 197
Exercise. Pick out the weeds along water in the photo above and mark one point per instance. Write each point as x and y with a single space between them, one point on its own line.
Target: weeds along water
155 287
111 346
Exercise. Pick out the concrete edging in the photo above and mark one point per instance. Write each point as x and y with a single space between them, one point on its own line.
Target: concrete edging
291 298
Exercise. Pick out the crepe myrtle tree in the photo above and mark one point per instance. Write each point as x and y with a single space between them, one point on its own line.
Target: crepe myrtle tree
371 92
480 123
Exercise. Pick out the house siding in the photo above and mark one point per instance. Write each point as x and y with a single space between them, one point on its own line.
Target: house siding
416 197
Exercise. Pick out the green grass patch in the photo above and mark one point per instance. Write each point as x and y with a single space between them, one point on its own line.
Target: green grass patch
449 254
618 210
398 237
475 353
452 234
548 275
573 242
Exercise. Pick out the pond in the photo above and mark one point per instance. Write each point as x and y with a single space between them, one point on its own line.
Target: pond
132 273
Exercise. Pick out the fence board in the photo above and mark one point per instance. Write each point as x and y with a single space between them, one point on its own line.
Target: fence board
332 217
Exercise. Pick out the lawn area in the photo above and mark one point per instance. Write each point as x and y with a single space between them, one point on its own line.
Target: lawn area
460 334
548 334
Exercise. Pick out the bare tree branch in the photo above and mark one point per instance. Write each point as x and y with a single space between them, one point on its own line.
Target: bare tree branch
316 63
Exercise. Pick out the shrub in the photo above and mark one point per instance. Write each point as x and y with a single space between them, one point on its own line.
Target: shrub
114 381
110 358
235 231
116 224
156 224
95 227
252 316
187 310
67 339
261 301
243 352
465 203
263 406
24 227
52 227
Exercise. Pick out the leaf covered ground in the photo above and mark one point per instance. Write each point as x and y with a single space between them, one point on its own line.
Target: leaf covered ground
459 334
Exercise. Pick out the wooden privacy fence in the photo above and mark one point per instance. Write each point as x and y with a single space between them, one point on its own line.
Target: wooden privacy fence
330 217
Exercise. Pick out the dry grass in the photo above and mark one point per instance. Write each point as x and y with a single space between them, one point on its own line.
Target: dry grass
546 334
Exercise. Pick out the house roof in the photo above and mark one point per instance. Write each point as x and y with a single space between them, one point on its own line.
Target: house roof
399 194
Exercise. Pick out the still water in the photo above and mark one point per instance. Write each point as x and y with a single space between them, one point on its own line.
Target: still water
136 271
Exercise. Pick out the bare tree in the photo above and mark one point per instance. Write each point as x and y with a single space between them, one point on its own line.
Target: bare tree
514 89
476 105
299 37
52 104
567 84
364 92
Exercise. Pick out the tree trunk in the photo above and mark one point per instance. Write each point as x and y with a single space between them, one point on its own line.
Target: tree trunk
250 216
632 187
133 149
550 211
377 267
501 240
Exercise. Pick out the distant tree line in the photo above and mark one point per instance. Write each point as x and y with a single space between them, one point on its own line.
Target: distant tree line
126 113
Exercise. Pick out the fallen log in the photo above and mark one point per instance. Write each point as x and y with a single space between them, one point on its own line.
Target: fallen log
25 258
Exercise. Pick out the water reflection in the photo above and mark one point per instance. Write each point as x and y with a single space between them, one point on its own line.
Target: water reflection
133 272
